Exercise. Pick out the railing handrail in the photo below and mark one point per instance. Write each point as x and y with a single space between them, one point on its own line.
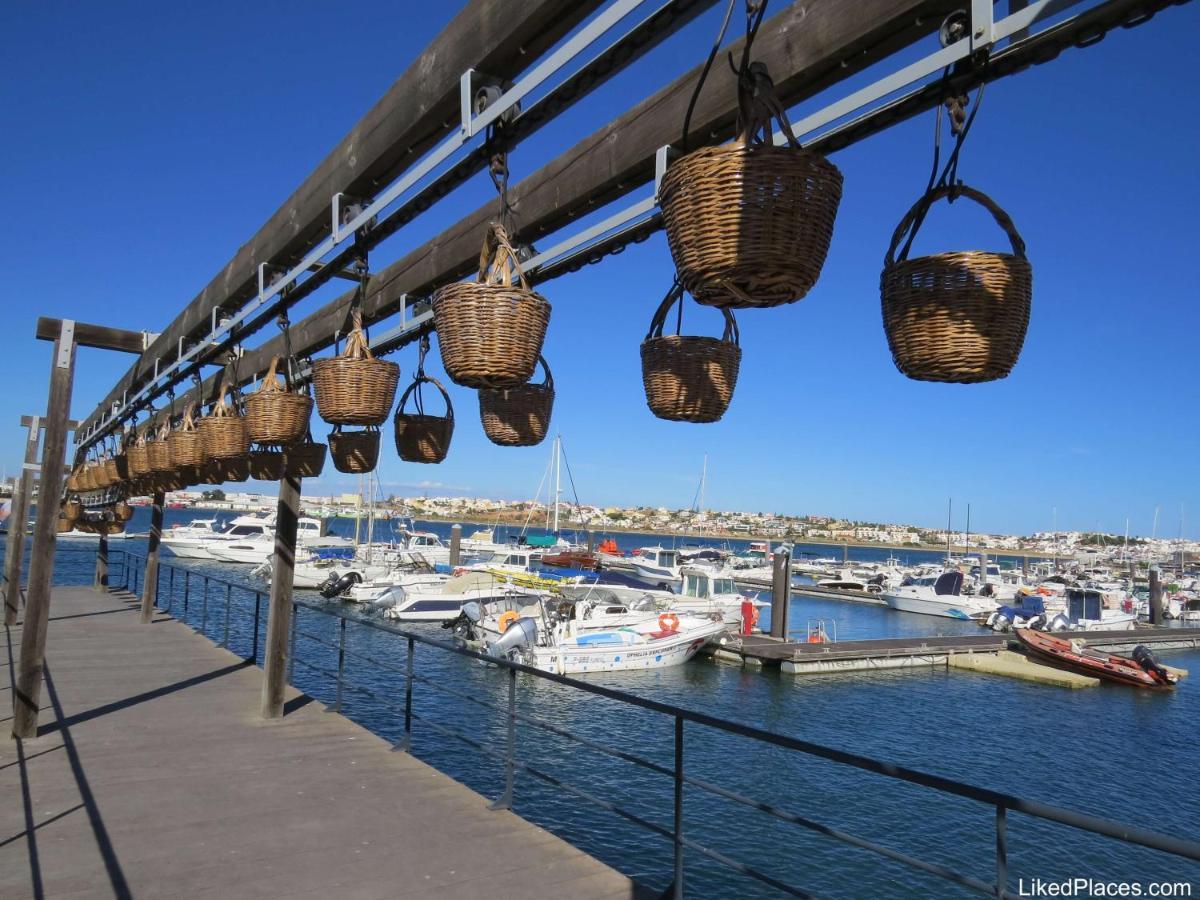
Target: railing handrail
1048 812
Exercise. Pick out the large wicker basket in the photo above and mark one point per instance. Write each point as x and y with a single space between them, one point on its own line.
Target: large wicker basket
274 413
518 416
689 378
138 457
956 317
354 452
749 223
186 447
111 474
159 451
420 437
266 465
305 459
491 330
355 388
223 431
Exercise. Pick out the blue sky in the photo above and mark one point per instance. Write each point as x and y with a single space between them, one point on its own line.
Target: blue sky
144 143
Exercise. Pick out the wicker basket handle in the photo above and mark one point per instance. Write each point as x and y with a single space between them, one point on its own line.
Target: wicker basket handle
915 216
271 380
188 422
675 295
498 260
222 409
416 386
357 346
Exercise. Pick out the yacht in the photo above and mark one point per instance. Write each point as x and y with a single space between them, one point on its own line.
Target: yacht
938 595
656 566
256 546
194 541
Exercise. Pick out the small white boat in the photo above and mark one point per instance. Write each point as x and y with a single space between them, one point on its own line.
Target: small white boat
188 541
656 566
255 548
938 595
1089 609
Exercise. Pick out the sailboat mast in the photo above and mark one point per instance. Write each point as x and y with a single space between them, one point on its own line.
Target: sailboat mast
557 477
949 514
967 534
703 481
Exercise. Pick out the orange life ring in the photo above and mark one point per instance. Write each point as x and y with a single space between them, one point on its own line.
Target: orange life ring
815 639
668 622
506 619
754 616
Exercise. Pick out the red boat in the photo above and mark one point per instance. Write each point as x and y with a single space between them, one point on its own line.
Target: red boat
572 558
1141 670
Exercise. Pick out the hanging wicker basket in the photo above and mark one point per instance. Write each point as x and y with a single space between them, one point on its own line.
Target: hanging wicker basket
518 416
72 482
63 526
956 317
355 388
422 438
749 223
121 461
72 509
185 444
138 457
304 460
491 330
223 431
354 452
689 378
159 450
275 414
266 465
111 475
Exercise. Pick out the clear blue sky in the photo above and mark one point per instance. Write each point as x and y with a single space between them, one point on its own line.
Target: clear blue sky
136 158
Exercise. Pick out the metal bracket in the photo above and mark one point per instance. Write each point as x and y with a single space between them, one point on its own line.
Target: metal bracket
662 158
66 344
344 216
148 338
477 91
981 25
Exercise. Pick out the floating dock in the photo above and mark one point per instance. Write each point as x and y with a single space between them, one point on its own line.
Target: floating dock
800 658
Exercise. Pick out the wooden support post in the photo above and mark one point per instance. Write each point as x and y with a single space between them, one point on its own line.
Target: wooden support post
781 592
1156 597
591 545
101 583
279 615
18 516
455 546
28 695
150 583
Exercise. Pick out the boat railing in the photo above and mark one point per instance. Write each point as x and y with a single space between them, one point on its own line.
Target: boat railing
176 595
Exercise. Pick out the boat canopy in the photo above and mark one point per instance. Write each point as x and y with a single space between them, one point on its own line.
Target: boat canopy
948 584
541 540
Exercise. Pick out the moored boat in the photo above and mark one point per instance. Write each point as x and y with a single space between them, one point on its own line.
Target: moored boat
1139 670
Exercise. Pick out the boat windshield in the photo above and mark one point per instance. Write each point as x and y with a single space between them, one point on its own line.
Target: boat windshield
695 586
244 530
724 586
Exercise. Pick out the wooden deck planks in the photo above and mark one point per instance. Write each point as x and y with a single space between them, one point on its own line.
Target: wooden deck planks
188 792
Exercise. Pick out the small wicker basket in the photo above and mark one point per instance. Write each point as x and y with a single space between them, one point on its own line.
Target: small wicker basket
749 223
304 460
354 452
491 330
275 414
956 317
266 465
138 457
689 378
422 438
355 388
185 444
223 431
518 416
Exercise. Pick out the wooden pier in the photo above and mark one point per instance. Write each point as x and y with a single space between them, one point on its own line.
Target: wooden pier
153 774
800 658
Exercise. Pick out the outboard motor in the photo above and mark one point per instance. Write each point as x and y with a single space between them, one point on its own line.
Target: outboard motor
1000 621
521 633
1060 623
1144 658
340 586
328 582
473 611
1037 623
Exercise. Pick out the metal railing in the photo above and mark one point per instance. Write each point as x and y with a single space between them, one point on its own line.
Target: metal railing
1001 803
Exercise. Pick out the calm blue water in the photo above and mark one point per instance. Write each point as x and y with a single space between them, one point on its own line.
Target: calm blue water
1110 751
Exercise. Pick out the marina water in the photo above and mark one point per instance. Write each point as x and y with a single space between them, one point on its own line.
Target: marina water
1110 751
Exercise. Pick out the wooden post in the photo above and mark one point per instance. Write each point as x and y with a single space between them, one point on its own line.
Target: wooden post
455 545
102 561
279 616
1156 598
781 592
28 694
17 518
591 545
150 583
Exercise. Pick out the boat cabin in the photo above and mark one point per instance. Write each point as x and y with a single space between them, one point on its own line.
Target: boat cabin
704 584
659 557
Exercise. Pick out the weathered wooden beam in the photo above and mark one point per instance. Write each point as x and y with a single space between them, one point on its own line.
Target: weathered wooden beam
493 36
279 615
808 48
98 336
28 692
150 582
17 519
28 421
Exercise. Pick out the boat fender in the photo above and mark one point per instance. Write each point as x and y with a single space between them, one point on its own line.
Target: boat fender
507 618
668 622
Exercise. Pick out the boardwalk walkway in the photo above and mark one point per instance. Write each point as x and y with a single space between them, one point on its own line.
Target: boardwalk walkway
154 776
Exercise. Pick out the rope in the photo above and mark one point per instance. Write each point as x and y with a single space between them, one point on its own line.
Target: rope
496 146
712 55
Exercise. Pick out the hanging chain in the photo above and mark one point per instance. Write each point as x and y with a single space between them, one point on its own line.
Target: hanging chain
289 375
496 145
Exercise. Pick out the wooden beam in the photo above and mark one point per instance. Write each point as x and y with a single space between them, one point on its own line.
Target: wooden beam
279 614
497 37
97 336
807 47
17 519
27 421
27 698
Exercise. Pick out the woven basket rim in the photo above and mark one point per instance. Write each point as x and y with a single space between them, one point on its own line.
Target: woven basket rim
948 255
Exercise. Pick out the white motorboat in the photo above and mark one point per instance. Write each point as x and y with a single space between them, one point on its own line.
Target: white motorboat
1089 609
938 595
422 599
555 640
707 591
188 541
656 566
253 549
198 545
